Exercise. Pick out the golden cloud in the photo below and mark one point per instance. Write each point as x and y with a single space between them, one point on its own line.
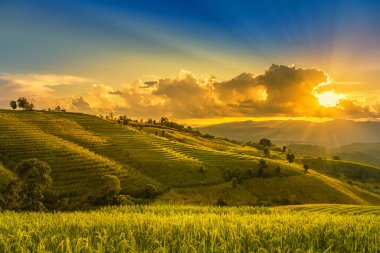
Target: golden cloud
279 91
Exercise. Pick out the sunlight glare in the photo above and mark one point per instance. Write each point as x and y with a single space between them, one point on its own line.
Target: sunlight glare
329 98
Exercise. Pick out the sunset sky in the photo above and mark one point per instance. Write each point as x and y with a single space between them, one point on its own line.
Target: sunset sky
193 60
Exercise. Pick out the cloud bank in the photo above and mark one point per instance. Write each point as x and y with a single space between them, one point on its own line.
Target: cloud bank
279 91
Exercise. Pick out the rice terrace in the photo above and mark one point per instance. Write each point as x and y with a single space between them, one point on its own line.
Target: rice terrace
135 126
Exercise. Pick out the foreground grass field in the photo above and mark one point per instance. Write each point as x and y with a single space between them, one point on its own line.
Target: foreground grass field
309 228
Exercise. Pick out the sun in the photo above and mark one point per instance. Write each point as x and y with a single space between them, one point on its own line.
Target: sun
329 98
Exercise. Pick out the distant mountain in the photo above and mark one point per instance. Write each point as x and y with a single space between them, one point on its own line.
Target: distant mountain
331 133
359 152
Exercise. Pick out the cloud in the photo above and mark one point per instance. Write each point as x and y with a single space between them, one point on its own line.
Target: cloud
39 88
79 104
149 84
279 91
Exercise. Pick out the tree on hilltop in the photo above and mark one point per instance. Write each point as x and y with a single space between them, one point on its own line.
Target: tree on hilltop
266 142
24 104
13 105
290 157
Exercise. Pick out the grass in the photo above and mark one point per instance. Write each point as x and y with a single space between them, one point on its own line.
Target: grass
363 175
82 149
301 189
194 229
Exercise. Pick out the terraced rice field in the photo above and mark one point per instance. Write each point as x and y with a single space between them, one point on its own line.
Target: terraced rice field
335 209
83 148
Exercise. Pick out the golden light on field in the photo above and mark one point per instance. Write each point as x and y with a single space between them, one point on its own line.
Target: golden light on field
329 98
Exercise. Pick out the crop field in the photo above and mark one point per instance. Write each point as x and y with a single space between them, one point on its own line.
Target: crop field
195 229
83 149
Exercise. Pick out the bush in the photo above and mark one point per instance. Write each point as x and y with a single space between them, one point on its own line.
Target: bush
234 182
229 174
106 195
150 191
221 202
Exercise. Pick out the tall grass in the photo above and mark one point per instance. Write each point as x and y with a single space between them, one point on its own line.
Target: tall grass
189 229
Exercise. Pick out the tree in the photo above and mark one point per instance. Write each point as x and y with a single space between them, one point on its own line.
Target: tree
150 191
13 105
11 199
234 182
35 177
108 191
30 107
111 186
290 157
221 202
278 170
283 149
23 103
262 166
266 142
164 121
305 167
335 157
266 152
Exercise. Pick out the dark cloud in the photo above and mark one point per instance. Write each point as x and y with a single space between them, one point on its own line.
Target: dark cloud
149 84
115 92
80 104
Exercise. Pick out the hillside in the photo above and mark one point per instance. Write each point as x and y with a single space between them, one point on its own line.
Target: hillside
362 175
331 133
367 153
83 149
359 152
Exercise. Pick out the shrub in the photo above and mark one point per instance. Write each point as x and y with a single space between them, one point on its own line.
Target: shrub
221 202
234 182
150 191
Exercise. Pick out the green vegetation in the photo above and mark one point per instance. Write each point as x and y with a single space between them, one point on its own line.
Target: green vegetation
359 152
362 175
136 163
69 161
335 228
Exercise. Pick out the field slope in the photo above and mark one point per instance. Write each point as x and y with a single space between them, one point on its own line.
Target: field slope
83 149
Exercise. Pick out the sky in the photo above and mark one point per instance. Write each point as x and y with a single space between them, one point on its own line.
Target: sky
193 60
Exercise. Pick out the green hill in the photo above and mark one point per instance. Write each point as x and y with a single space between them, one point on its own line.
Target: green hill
362 175
359 152
82 149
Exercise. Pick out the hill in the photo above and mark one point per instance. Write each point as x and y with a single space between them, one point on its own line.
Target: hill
356 152
362 175
83 149
331 133
359 152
